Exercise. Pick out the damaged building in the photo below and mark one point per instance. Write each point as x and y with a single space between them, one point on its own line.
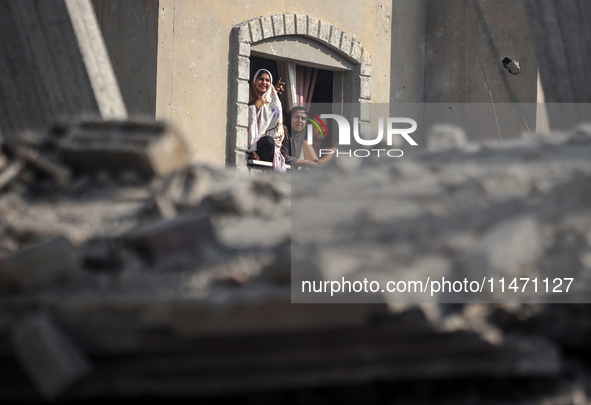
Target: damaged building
140 258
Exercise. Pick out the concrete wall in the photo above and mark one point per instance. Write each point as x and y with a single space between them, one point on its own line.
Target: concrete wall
53 66
561 34
193 55
456 40
409 19
462 66
182 89
130 30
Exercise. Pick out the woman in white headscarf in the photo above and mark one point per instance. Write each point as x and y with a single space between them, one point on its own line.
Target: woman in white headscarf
265 120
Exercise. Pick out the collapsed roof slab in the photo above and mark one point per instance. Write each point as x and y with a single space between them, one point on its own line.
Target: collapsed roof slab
53 66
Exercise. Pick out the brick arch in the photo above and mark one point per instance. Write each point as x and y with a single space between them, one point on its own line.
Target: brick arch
261 28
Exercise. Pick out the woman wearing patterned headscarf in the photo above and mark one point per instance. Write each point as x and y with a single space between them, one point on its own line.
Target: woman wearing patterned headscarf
294 141
265 120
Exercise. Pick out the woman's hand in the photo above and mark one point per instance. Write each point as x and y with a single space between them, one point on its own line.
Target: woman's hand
279 87
258 103
305 163
255 156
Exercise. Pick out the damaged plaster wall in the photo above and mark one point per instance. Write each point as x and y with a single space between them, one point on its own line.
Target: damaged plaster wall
466 42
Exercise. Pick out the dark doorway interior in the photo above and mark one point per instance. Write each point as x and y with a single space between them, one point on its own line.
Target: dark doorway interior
323 91
324 80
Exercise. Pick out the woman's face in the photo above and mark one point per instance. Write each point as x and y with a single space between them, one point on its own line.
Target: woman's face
298 120
262 83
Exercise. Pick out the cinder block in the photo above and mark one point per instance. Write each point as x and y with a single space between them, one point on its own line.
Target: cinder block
48 356
151 148
37 266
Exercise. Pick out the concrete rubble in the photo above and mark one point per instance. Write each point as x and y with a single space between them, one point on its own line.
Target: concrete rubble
49 357
155 276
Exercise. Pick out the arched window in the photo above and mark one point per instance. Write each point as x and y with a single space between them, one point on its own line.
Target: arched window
299 39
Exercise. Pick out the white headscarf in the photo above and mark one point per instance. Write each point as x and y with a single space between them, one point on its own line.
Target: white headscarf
267 121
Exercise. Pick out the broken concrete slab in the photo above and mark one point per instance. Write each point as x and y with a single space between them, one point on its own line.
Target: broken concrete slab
48 356
148 148
53 66
37 266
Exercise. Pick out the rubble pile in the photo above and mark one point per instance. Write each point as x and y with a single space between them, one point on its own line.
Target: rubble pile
126 270
514 209
109 197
